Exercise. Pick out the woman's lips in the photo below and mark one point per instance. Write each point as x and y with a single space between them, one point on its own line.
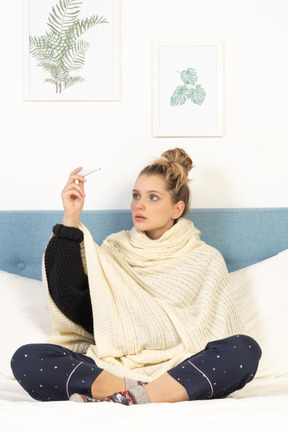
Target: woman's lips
139 218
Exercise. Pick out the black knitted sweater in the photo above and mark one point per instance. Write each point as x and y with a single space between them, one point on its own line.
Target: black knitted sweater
67 281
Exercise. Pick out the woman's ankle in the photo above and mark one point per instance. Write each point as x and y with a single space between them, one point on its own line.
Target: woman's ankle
166 389
106 384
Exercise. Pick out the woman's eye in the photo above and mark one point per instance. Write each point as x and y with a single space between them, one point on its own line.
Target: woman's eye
153 197
136 196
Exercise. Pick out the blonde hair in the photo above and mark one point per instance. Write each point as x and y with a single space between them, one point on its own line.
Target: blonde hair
174 166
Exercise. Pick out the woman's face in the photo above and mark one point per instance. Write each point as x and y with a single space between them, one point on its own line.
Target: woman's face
152 208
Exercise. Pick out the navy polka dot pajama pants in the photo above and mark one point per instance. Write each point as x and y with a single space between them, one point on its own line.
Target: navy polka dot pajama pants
53 373
223 367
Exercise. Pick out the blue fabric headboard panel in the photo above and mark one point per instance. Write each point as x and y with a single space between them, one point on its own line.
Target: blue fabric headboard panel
243 236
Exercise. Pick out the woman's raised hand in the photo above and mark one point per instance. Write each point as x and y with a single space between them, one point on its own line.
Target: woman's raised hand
73 198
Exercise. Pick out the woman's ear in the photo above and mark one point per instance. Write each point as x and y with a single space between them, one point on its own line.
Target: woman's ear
179 208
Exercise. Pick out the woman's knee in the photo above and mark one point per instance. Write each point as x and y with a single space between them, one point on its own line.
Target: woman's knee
238 348
28 356
240 342
22 357
29 366
250 349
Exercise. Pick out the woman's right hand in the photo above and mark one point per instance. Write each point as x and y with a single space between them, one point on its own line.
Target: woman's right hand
73 198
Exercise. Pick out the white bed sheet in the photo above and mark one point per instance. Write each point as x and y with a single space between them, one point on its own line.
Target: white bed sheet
18 412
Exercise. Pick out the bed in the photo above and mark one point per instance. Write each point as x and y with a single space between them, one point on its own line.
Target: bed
254 243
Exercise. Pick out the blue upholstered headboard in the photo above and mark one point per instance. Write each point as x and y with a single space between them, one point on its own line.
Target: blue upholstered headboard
243 236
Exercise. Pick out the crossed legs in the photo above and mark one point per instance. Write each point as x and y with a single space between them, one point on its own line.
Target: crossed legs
50 372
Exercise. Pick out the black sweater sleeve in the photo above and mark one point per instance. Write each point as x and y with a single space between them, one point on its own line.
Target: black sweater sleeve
67 281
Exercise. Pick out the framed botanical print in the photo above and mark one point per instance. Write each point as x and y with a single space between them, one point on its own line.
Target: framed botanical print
187 89
71 50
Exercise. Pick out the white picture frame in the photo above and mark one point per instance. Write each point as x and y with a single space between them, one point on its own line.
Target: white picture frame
194 111
99 75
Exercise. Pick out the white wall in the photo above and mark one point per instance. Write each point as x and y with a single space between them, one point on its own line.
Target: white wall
245 168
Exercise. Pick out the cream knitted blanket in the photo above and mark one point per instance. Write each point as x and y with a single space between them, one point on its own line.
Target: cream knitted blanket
155 302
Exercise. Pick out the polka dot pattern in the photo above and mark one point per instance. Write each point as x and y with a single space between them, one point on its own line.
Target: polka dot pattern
222 367
52 373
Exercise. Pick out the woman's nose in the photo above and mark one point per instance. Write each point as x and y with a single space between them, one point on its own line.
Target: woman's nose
140 204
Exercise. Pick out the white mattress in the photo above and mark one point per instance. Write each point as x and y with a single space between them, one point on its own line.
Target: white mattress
18 412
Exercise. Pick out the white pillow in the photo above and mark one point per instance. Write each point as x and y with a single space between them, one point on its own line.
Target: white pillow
24 315
261 294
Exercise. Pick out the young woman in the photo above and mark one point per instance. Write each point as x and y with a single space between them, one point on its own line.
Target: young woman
148 316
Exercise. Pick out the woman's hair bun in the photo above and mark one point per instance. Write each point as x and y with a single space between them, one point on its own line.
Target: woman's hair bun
179 156
174 165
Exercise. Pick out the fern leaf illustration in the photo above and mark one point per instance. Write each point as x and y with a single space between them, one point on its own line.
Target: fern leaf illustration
73 59
57 72
79 27
70 81
40 48
51 81
60 50
63 15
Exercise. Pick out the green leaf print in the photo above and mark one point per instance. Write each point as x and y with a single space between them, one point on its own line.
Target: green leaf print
198 95
189 76
61 51
180 95
188 91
